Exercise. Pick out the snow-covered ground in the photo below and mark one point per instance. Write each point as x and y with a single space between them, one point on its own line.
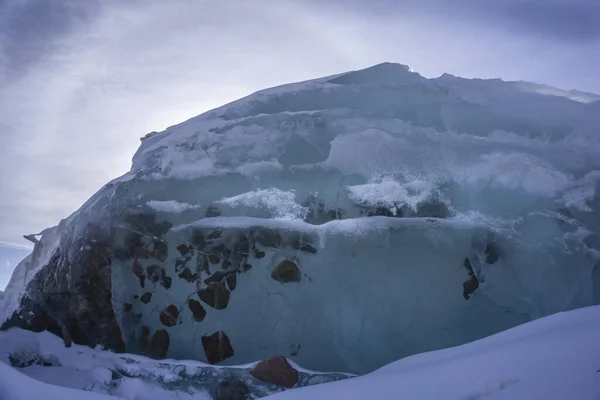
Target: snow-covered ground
553 358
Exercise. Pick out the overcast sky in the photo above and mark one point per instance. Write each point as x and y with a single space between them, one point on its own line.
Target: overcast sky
82 80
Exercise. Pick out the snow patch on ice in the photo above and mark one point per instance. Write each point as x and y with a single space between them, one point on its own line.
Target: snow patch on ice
281 204
391 194
171 206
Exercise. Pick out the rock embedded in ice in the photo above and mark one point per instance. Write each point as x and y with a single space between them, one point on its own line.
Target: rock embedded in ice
276 370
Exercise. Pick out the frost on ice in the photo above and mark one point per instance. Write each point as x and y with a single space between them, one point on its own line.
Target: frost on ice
343 222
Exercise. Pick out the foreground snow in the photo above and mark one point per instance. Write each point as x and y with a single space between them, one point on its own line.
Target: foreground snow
554 358
557 357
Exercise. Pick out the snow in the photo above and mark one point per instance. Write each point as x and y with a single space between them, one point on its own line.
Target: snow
18 386
171 206
45 365
279 204
553 358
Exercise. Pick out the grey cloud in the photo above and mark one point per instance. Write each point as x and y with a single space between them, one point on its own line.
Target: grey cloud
30 29
560 19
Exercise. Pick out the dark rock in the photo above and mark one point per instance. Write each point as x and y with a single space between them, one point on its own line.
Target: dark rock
197 310
259 254
145 331
160 251
184 249
154 273
247 267
232 390
287 271
165 280
267 237
215 295
242 246
27 359
135 297
180 263
214 258
337 213
232 281
72 293
127 307
66 335
212 211
139 251
138 270
217 347
187 275
276 370
472 283
215 235
146 222
381 212
492 253
146 297
226 264
202 264
433 209
168 317
225 252
158 274
198 239
218 277
306 247
159 345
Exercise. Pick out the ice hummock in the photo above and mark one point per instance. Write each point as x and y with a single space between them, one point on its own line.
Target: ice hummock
437 211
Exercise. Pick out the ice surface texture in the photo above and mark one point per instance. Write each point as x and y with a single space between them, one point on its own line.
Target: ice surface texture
344 222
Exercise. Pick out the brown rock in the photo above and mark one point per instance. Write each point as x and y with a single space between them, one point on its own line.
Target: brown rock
214 258
232 281
154 273
127 307
276 370
138 270
259 254
143 340
165 280
215 295
145 331
187 275
146 297
160 251
184 249
168 317
159 345
197 310
218 277
180 263
472 283
217 347
138 251
287 271
67 337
